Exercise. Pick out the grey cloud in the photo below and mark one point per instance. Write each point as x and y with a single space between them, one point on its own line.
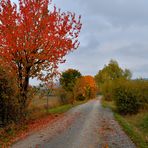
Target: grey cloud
119 12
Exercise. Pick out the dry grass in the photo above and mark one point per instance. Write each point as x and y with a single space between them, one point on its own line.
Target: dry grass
41 101
38 106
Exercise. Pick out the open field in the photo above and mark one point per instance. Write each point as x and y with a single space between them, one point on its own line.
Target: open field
41 101
38 106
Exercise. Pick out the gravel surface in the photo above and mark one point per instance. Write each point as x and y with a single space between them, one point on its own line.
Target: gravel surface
85 126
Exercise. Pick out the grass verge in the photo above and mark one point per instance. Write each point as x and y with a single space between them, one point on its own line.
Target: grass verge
135 126
64 108
132 131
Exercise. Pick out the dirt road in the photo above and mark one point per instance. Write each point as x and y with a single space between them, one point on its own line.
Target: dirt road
85 126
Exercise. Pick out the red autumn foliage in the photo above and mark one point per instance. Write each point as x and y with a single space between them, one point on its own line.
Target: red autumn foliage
23 130
34 40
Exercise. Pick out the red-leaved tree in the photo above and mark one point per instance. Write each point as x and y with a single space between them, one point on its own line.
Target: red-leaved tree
34 40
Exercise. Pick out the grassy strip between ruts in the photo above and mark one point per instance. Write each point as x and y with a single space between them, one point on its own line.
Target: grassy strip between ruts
13 131
137 136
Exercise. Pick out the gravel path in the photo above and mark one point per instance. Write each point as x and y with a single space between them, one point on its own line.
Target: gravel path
85 126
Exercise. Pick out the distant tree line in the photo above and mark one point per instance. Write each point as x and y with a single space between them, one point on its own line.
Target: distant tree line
74 86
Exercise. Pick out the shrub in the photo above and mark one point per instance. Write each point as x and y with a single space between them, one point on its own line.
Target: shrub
80 97
126 97
9 105
107 90
65 96
142 89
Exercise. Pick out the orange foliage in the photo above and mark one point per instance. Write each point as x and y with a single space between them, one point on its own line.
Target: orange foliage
85 87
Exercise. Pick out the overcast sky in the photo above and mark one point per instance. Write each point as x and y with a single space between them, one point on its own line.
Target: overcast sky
112 29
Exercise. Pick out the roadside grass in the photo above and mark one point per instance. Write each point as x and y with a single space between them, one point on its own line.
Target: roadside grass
41 110
37 112
136 126
64 108
109 104
60 109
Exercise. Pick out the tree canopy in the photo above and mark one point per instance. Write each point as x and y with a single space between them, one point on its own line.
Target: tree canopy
34 40
112 71
85 88
68 79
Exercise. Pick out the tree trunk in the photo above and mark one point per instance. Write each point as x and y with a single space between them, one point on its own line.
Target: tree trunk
23 98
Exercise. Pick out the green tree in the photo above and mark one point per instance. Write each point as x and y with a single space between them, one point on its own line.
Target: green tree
127 74
106 77
112 71
68 79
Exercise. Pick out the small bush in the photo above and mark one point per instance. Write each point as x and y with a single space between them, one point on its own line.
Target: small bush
126 97
80 97
66 97
142 91
107 90
9 105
